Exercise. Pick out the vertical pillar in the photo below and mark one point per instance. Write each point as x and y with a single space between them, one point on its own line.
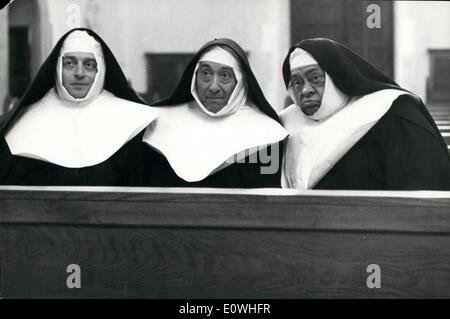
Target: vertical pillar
4 57
275 42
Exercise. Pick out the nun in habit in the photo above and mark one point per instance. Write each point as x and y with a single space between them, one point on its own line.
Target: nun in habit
79 123
352 127
217 129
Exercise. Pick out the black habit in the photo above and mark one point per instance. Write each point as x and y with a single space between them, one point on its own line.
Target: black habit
122 169
237 175
404 150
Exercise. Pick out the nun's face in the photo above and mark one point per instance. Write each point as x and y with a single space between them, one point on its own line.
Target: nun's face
215 82
308 84
78 73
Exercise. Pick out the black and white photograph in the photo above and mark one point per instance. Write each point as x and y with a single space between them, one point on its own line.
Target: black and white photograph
224 154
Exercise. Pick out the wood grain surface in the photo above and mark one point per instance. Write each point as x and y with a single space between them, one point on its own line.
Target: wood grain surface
219 245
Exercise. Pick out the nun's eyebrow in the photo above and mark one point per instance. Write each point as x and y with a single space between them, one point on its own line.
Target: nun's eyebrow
226 68
314 69
306 70
89 60
204 65
69 57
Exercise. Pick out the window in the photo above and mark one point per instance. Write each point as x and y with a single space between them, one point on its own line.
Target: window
164 71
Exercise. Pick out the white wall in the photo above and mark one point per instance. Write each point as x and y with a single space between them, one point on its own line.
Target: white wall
134 27
259 26
419 26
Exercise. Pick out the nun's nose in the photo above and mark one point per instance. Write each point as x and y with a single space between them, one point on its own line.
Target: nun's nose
214 87
308 89
79 71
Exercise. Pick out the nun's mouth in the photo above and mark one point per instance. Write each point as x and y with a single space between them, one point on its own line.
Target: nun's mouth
79 84
310 107
215 98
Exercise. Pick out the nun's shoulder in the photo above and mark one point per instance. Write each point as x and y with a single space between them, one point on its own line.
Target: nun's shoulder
408 123
287 112
291 117
3 118
5 153
410 108
4 123
108 97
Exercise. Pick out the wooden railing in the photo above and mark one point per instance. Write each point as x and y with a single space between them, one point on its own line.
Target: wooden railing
204 243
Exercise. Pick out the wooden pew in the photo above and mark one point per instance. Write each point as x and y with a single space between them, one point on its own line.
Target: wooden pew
204 243
441 115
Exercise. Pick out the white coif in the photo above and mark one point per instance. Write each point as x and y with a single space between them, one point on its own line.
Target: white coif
81 41
196 145
313 148
238 97
75 136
